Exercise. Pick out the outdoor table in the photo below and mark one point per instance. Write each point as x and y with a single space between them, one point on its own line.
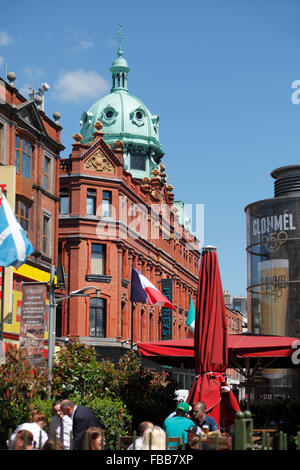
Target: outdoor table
210 439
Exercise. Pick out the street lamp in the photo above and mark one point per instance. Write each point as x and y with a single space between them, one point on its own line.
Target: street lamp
54 301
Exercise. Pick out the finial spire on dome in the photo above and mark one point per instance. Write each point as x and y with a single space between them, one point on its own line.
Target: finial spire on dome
120 51
119 68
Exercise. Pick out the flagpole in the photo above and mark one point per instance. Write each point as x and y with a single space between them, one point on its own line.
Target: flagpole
2 302
131 326
2 290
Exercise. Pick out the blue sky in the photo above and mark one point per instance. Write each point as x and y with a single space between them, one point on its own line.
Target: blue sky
219 74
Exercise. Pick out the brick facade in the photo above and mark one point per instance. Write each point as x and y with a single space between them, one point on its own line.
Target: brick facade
30 142
141 230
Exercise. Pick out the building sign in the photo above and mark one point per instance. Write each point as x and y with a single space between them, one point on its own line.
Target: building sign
167 313
32 322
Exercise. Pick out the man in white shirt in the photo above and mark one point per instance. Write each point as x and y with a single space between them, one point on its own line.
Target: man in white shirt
141 430
60 426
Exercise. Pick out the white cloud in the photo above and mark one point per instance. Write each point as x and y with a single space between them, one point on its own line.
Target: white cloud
83 46
33 73
79 84
24 90
4 38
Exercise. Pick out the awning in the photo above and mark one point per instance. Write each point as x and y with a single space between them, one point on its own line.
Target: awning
243 351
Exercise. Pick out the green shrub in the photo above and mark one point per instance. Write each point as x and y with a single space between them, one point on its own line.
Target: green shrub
122 395
20 385
113 416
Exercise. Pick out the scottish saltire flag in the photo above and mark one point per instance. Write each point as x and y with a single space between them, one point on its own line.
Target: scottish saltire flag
142 290
14 245
190 320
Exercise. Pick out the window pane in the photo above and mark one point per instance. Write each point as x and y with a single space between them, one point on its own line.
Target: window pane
64 204
25 166
105 209
91 202
92 321
45 246
25 225
47 168
106 195
17 161
22 209
17 142
100 322
97 325
45 226
106 204
98 259
90 205
45 181
138 162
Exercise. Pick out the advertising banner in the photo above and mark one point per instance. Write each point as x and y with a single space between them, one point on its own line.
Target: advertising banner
273 259
167 313
32 322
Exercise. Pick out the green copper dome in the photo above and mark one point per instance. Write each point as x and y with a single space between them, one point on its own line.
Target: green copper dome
125 118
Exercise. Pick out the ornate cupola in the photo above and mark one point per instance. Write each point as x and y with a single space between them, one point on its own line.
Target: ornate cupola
119 69
125 118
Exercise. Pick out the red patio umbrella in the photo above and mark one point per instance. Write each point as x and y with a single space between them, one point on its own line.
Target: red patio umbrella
265 350
211 343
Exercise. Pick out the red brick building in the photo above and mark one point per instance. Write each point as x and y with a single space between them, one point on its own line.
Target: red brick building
109 222
117 211
30 149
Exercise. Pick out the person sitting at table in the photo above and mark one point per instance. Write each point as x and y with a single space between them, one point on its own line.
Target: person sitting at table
176 426
200 418
193 436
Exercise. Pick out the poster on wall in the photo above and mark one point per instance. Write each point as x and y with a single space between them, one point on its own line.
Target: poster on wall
32 322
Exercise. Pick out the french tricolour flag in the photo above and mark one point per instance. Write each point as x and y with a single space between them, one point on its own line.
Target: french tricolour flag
14 245
142 290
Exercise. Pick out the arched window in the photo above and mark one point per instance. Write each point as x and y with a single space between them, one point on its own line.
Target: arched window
97 324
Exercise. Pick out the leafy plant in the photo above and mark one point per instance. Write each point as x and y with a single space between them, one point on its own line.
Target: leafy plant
20 385
122 394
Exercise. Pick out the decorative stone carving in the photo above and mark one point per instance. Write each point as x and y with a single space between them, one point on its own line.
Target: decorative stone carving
77 138
99 162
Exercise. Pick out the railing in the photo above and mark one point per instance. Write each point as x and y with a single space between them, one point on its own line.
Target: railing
244 438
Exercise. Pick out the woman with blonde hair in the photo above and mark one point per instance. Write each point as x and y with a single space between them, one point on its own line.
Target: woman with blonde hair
154 439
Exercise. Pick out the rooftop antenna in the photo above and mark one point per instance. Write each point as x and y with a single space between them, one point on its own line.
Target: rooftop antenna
38 96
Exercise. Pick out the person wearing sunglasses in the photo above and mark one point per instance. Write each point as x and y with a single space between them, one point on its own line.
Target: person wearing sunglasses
199 416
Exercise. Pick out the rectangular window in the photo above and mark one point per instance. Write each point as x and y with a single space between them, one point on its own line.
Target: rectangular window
22 212
106 204
98 260
46 235
97 324
91 202
64 201
47 173
23 153
138 162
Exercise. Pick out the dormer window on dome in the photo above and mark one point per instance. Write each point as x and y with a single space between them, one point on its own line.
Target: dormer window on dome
109 115
138 116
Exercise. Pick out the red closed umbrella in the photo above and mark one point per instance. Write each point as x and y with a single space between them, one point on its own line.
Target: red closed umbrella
211 343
